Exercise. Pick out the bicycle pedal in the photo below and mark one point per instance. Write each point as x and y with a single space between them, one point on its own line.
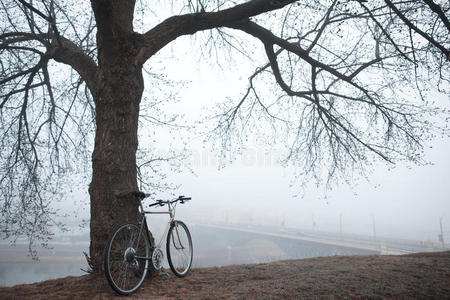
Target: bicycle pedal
164 274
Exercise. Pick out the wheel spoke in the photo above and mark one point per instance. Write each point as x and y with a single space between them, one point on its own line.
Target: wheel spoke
124 272
179 249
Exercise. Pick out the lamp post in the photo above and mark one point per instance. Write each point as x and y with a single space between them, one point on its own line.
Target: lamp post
441 236
374 232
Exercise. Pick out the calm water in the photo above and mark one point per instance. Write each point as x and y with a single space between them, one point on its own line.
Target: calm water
212 247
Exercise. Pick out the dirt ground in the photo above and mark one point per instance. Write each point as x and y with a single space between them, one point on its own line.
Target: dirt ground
418 276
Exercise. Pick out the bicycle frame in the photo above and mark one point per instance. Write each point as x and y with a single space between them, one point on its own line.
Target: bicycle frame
143 225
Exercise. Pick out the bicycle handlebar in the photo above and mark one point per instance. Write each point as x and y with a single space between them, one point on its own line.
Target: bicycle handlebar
162 202
158 202
141 196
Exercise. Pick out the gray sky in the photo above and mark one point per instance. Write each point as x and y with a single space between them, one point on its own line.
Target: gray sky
407 201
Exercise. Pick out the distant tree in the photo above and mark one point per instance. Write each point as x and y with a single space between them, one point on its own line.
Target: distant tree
351 81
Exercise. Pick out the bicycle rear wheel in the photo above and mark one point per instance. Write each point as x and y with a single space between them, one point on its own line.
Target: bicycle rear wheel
179 249
125 266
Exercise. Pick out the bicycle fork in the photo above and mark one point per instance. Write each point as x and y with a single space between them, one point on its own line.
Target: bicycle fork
178 236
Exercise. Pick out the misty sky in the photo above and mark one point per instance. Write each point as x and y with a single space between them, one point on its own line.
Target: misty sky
406 201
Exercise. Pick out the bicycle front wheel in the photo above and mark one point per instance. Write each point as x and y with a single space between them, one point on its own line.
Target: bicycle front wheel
179 249
125 258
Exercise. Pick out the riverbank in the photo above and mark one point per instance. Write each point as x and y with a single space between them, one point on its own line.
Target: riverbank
420 275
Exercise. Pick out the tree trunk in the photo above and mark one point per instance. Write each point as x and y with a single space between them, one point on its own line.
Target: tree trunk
117 99
114 157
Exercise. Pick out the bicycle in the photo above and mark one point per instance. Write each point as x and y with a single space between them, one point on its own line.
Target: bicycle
129 248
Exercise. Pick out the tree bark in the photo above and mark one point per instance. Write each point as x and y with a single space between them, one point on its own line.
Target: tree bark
117 99
114 156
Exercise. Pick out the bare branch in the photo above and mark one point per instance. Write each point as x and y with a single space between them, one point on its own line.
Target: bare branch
68 53
177 26
437 9
445 51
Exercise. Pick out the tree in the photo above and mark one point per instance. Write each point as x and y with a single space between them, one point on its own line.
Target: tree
337 66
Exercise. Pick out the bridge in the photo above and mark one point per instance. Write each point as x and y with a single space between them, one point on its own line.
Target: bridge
380 246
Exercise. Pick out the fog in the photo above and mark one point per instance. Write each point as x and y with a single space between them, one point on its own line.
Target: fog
399 201
405 202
